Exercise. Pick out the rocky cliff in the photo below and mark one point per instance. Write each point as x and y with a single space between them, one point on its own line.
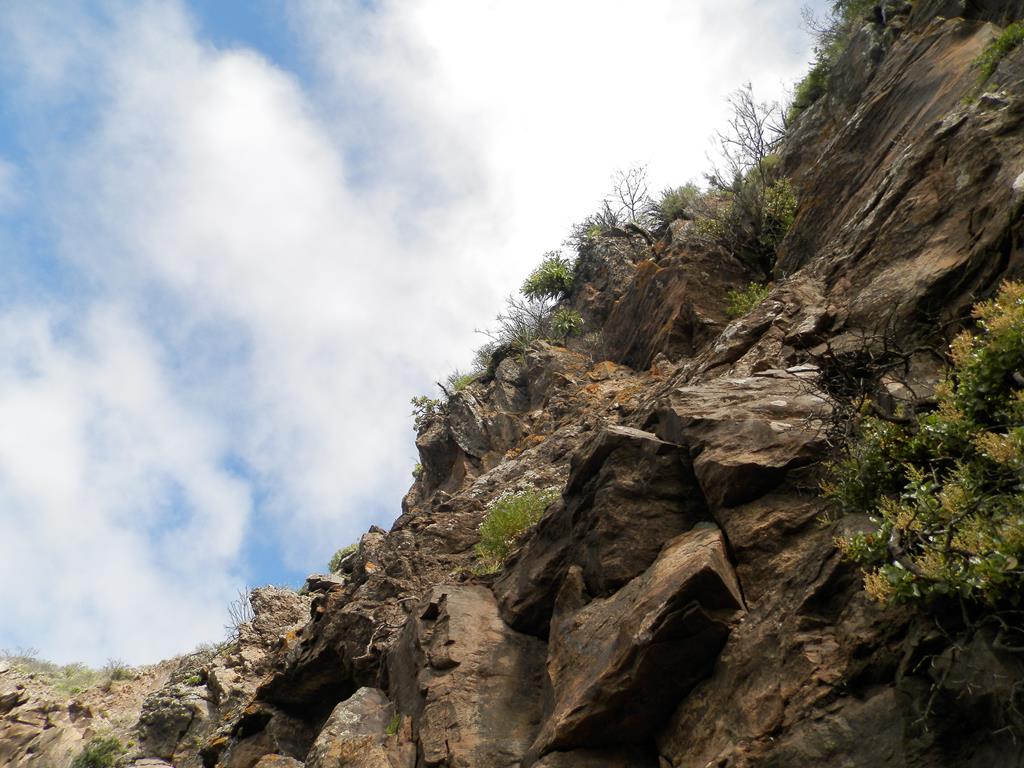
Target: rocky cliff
682 602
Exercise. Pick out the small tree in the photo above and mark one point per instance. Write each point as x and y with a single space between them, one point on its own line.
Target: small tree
756 204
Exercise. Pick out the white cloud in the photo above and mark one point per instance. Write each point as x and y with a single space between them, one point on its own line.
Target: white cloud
277 266
8 186
110 493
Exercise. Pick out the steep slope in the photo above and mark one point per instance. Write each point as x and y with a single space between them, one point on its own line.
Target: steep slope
682 603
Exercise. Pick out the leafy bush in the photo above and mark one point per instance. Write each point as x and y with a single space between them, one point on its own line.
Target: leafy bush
1011 37
334 566
424 410
677 203
115 669
743 301
506 521
99 752
551 280
565 323
946 490
417 471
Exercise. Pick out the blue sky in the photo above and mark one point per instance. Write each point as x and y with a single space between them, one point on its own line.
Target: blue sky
237 237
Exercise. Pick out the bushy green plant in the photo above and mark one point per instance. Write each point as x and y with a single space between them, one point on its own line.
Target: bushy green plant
677 203
334 566
552 279
988 61
746 299
565 323
946 491
417 471
115 670
506 521
99 752
424 410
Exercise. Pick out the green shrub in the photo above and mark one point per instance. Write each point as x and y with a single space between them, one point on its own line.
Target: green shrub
743 301
677 203
565 323
417 471
947 491
99 752
115 670
551 280
1011 37
506 521
810 89
424 410
334 566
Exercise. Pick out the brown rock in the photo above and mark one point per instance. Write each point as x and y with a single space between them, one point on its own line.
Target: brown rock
628 493
356 734
744 434
471 684
618 665
672 306
277 761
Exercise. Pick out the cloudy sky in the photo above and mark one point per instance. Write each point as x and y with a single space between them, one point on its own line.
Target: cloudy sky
238 236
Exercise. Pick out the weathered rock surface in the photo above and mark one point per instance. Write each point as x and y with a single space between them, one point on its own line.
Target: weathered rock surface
471 684
745 434
357 734
617 666
628 493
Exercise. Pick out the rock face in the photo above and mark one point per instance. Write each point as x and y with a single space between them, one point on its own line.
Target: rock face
682 604
470 682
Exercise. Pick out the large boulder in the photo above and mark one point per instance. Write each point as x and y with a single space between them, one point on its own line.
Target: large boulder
470 682
361 733
628 493
745 434
617 666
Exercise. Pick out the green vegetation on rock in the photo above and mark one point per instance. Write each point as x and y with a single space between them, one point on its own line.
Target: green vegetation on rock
946 490
506 521
99 752
999 49
339 557
565 323
744 300
552 279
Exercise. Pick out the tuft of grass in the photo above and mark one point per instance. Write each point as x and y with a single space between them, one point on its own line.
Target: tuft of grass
396 721
988 61
458 381
506 521
745 300
99 752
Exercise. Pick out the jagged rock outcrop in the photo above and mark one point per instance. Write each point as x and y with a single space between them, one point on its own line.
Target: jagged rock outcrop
682 604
